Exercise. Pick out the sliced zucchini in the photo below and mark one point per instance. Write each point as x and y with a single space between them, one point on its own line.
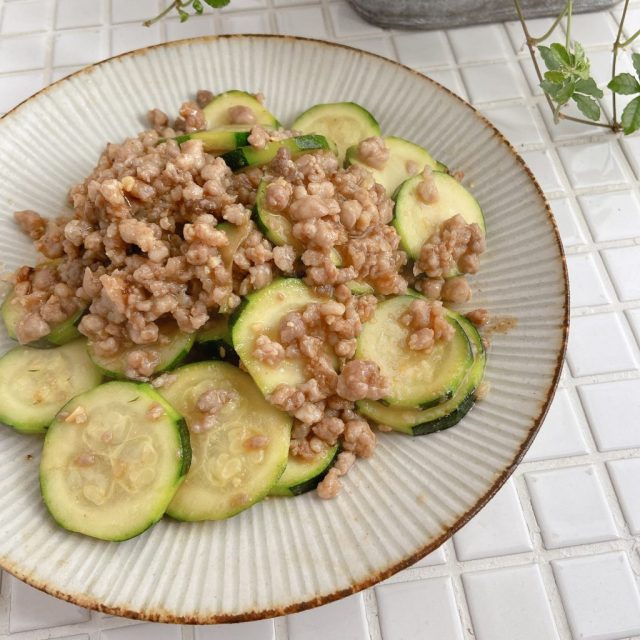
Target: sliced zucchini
171 347
228 474
251 157
215 339
220 140
261 314
417 380
406 159
303 475
112 461
216 112
12 313
35 383
416 221
416 422
359 288
346 123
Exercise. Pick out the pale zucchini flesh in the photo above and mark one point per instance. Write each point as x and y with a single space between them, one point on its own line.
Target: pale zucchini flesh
416 221
112 475
261 313
36 383
227 475
346 123
216 113
220 140
417 379
302 475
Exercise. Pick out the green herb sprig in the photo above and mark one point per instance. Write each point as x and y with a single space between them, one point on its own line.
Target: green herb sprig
185 8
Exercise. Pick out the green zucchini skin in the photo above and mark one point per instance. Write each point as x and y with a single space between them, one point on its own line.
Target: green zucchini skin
301 476
219 140
216 113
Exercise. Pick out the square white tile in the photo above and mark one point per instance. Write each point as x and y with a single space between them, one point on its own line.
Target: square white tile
567 218
33 609
601 67
127 37
78 13
14 89
138 11
561 432
302 21
493 82
259 630
146 631
434 558
244 5
424 609
423 49
585 280
631 146
592 165
449 78
79 47
594 28
375 44
499 529
536 26
475 44
567 129
570 506
544 169
63 72
600 596
634 320
529 72
612 216
22 53
245 23
623 266
26 16
625 476
600 343
346 22
506 604
192 28
517 123
612 409
345 618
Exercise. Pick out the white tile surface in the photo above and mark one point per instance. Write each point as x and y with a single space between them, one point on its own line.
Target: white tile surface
600 343
631 146
612 216
192 28
22 53
78 13
493 82
82 47
146 631
346 22
475 44
506 604
127 11
499 529
127 37
424 609
543 168
597 165
566 129
625 476
517 123
245 23
634 320
612 410
600 595
561 433
375 44
594 28
623 265
423 49
345 618
566 216
25 16
434 558
33 609
449 78
586 284
302 21
570 506
259 630
536 26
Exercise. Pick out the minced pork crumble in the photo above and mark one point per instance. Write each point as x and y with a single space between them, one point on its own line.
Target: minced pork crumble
142 248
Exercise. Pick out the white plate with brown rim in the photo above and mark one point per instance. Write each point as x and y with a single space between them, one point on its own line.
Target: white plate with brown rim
285 555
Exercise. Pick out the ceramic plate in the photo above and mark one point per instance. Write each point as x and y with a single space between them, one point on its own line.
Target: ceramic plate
284 555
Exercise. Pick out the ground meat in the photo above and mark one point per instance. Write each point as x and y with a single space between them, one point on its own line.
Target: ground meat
479 317
455 243
204 97
427 324
427 191
268 351
209 404
259 137
373 152
240 114
32 223
431 287
361 379
456 290
158 120
193 116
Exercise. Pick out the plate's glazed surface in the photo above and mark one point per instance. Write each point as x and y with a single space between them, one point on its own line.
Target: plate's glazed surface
284 555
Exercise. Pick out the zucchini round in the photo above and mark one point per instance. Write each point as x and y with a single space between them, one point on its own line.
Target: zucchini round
302 475
111 472
216 113
220 140
227 475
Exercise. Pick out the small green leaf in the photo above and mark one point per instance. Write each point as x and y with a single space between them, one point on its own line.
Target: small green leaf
554 76
197 7
184 16
625 84
587 105
550 88
631 116
635 57
565 93
562 53
551 58
217 4
589 87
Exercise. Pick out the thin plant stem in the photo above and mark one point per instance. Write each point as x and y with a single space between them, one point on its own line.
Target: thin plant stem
616 46
627 42
569 14
552 28
564 116
174 5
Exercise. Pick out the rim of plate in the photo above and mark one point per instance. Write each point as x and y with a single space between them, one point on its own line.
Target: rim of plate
166 616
